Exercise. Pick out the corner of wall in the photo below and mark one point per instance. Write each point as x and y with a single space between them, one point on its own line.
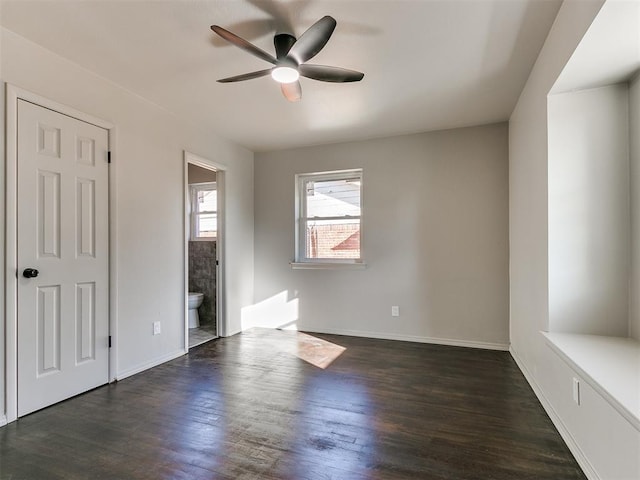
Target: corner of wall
3 161
634 178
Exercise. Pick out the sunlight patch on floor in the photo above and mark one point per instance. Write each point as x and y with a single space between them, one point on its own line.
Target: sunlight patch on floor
316 351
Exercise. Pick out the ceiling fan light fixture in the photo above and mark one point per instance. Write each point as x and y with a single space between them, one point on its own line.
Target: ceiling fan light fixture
285 74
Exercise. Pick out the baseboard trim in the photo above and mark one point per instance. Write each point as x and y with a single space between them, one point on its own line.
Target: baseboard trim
146 366
413 338
575 449
3 420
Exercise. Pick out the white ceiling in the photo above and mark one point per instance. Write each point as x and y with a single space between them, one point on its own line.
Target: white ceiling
428 64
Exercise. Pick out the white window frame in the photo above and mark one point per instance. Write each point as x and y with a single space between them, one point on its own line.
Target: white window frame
194 189
303 262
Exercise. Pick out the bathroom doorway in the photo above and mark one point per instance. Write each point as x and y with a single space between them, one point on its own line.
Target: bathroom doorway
203 250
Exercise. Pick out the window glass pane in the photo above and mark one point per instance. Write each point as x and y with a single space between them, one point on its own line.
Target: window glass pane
333 239
333 198
207 201
207 225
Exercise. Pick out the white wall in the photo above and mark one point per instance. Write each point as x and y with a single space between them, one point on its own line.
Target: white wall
634 143
589 233
529 288
434 240
604 443
2 244
148 162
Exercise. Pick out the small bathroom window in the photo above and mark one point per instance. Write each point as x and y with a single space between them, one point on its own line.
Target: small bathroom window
204 211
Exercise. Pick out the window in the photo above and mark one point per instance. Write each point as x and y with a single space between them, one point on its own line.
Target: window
329 208
204 211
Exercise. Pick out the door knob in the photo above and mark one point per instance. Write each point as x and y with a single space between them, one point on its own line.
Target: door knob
30 273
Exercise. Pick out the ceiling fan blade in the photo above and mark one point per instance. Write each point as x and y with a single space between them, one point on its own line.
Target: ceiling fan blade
291 91
312 41
246 76
243 44
283 43
326 73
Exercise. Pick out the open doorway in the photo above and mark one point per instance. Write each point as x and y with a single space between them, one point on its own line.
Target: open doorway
203 242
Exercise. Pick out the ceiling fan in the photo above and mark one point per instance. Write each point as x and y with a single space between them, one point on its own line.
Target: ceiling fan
291 57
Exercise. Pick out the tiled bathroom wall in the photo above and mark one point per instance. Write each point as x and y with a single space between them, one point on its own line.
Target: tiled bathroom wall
202 278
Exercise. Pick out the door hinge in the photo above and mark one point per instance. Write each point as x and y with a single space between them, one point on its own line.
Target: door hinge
217 263
108 157
109 341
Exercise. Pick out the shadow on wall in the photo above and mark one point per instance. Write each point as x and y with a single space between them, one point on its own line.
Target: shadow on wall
274 312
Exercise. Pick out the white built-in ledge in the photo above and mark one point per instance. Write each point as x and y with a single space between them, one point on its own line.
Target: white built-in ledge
611 365
327 266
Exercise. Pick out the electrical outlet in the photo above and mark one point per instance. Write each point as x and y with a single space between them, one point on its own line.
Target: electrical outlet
576 391
156 328
395 311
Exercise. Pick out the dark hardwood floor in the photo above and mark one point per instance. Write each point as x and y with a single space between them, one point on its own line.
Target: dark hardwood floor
247 407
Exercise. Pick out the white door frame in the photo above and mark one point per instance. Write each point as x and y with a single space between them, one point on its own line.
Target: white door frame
13 94
221 311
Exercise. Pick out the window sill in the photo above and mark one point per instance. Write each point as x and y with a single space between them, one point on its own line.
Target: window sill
611 365
327 266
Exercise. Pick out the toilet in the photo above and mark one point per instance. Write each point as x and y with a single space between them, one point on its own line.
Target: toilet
195 300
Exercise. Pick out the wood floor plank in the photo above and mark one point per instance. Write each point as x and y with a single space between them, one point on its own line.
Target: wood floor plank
250 407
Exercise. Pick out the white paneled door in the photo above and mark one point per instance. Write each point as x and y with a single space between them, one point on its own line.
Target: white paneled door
63 257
